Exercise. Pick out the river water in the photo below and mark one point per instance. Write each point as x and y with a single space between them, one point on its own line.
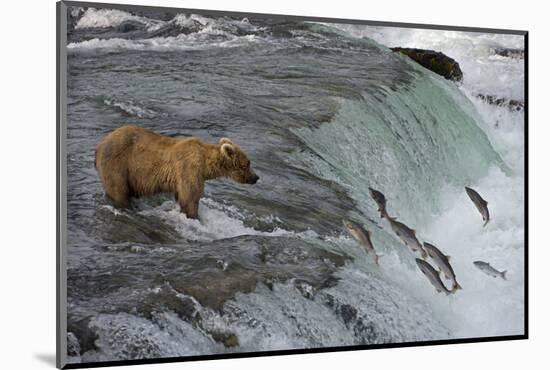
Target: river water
323 111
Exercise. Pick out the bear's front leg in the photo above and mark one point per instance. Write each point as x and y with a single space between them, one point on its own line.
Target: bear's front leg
189 194
190 208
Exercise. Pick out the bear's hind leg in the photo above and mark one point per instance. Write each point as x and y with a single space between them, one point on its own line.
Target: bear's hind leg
116 187
120 200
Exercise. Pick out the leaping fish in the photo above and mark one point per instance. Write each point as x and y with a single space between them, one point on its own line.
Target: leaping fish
362 236
443 263
380 200
433 276
490 270
407 236
480 203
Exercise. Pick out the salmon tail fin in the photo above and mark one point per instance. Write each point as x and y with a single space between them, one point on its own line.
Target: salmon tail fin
456 287
424 254
503 274
486 222
383 213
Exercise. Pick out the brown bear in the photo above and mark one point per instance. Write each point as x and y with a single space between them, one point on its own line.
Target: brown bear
134 161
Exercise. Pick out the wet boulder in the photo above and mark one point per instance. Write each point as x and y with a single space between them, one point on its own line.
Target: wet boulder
435 61
74 14
511 104
130 25
510 53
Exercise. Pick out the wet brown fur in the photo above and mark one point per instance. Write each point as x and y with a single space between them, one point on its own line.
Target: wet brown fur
134 161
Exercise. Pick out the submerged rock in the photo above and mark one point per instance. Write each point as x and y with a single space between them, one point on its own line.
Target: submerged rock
228 339
73 347
74 13
130 26
510 53
79 336
254 260
511 104
435 61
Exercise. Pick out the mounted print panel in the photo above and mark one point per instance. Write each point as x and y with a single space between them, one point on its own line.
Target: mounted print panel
237 184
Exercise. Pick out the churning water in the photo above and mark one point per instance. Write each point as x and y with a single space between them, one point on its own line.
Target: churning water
323 111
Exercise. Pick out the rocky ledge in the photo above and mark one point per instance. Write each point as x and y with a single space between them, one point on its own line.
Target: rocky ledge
510 53
435 61
511 104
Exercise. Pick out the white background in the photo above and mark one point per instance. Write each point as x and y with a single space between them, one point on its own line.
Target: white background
27 182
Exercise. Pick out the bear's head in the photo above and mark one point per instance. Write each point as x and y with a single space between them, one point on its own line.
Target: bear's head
236 164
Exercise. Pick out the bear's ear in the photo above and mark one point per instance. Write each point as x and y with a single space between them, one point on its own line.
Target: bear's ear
224 140
227 149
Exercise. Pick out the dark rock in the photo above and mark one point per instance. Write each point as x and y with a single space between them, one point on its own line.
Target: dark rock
252 260
168 299
130 25
228 339
511 104
306 290
155 14
73 347
348 313
173 29
74 14
219 287
85 337
366 331
435 61
510 53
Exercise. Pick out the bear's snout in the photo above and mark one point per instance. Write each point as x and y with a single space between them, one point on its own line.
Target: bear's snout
253 179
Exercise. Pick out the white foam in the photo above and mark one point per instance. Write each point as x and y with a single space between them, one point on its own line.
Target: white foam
212 33
112 209
214 222
194 41
183 20
130 107
124 336
505 129
485 306
104 18
484 72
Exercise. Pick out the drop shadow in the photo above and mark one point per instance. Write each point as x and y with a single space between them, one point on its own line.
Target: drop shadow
47 358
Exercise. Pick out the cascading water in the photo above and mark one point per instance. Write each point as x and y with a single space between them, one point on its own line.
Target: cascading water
323 113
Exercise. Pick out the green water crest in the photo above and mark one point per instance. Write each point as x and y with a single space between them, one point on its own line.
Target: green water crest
409 145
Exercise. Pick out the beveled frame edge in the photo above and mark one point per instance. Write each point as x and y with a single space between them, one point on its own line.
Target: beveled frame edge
61 190
61 184
295 17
